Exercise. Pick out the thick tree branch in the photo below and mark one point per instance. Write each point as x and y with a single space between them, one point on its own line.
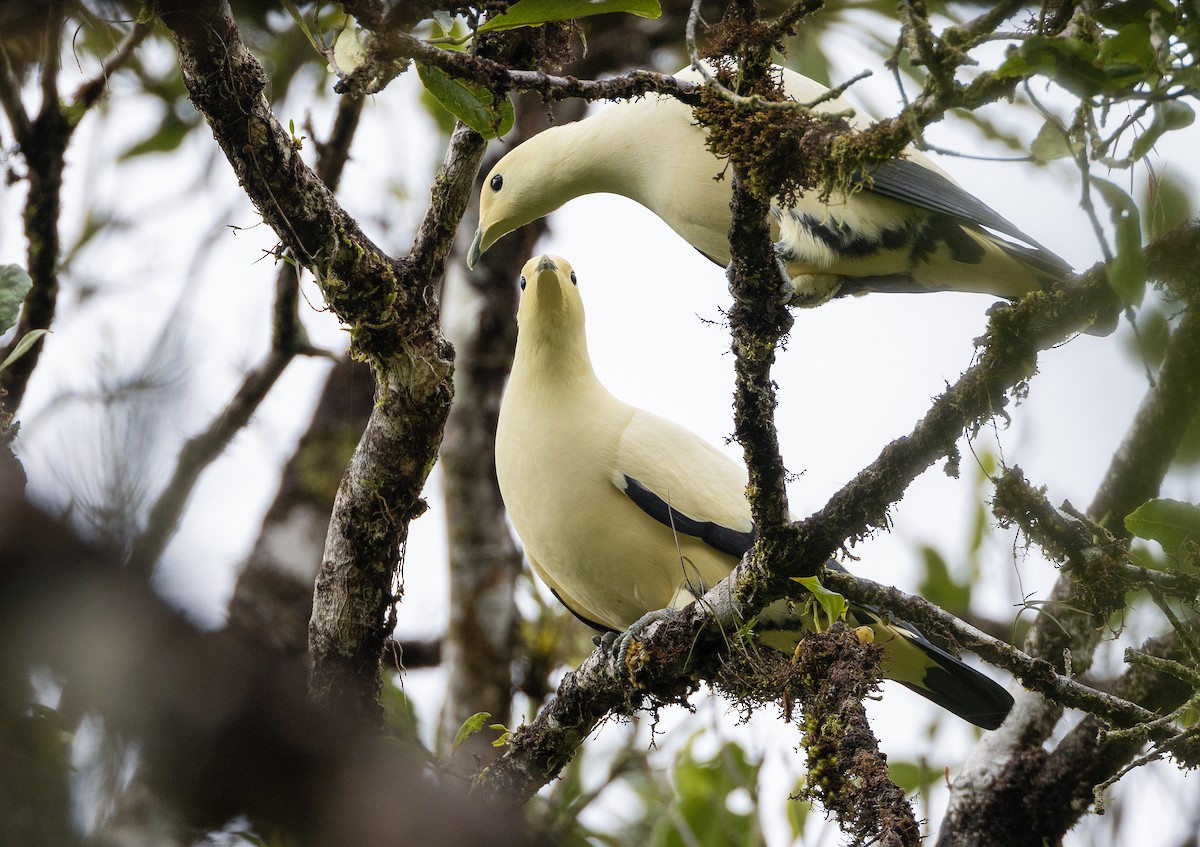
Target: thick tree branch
44 141
391 310
1070 623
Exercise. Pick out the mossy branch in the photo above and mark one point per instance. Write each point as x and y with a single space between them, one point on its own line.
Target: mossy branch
392 311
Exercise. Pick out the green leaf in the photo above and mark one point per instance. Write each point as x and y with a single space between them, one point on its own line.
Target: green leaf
504 734
167 137
1169 522
1167 203
22 347
536 12
1129 47
1168 115
832 603
300 22
913 776
1053 142
940 588
469 727
797 810
474 105
1127 273
14 285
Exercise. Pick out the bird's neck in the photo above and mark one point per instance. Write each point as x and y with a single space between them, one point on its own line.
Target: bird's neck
591 160
550 358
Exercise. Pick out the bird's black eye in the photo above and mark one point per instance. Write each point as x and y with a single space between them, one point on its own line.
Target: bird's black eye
522 283
497 182
574 281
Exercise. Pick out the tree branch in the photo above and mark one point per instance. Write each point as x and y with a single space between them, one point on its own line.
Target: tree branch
388 55
391 310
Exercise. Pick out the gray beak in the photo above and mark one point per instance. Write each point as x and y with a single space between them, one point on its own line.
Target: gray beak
546 264
474 253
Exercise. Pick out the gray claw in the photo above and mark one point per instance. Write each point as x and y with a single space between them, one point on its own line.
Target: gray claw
637 632
786 290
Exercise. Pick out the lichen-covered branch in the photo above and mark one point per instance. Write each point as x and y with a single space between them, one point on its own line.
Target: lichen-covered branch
1070 625
395 54
43 139
1035 674
391 310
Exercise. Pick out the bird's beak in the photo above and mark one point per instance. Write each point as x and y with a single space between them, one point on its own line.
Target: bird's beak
546 264
476 248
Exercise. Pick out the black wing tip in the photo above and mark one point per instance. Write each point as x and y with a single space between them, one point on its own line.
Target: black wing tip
959 688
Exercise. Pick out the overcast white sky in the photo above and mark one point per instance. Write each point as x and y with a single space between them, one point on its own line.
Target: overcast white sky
855 374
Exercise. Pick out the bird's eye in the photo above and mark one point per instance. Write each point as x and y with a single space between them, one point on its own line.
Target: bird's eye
522 283
497 182
574 281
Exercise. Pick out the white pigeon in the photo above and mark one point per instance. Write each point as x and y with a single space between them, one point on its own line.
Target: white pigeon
913 230
623 513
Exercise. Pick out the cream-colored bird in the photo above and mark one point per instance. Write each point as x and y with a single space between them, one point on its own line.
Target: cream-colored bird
913 230
623 513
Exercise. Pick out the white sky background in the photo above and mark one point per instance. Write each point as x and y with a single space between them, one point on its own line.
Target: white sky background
855 375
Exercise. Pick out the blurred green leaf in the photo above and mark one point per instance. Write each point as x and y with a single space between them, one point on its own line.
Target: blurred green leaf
1149 344
1127 273
535 12
1052 142
14 285
1117 15
1168 115
1166 204
1169 522
167 137
939 587
913 776
22 347
1073 63
474 105
703 791
1129 46
798 810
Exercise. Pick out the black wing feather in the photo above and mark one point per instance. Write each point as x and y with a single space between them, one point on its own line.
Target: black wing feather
718 537
909 182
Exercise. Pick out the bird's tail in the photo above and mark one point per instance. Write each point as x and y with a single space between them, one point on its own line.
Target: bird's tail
920 665
908 658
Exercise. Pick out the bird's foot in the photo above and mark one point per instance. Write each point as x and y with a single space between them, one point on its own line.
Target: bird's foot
814 289
622 644
787 290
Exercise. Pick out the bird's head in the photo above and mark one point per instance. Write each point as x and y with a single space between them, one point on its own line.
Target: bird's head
550 301
530 182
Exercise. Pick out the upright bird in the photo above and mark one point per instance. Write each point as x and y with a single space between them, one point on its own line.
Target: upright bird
914 229
622 512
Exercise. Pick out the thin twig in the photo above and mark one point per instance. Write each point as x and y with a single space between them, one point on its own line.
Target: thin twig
90 92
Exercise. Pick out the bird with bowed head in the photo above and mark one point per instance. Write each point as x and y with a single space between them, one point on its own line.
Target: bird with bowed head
911 229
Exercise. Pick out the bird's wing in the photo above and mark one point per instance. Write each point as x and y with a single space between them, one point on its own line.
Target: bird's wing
683 482
915 183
